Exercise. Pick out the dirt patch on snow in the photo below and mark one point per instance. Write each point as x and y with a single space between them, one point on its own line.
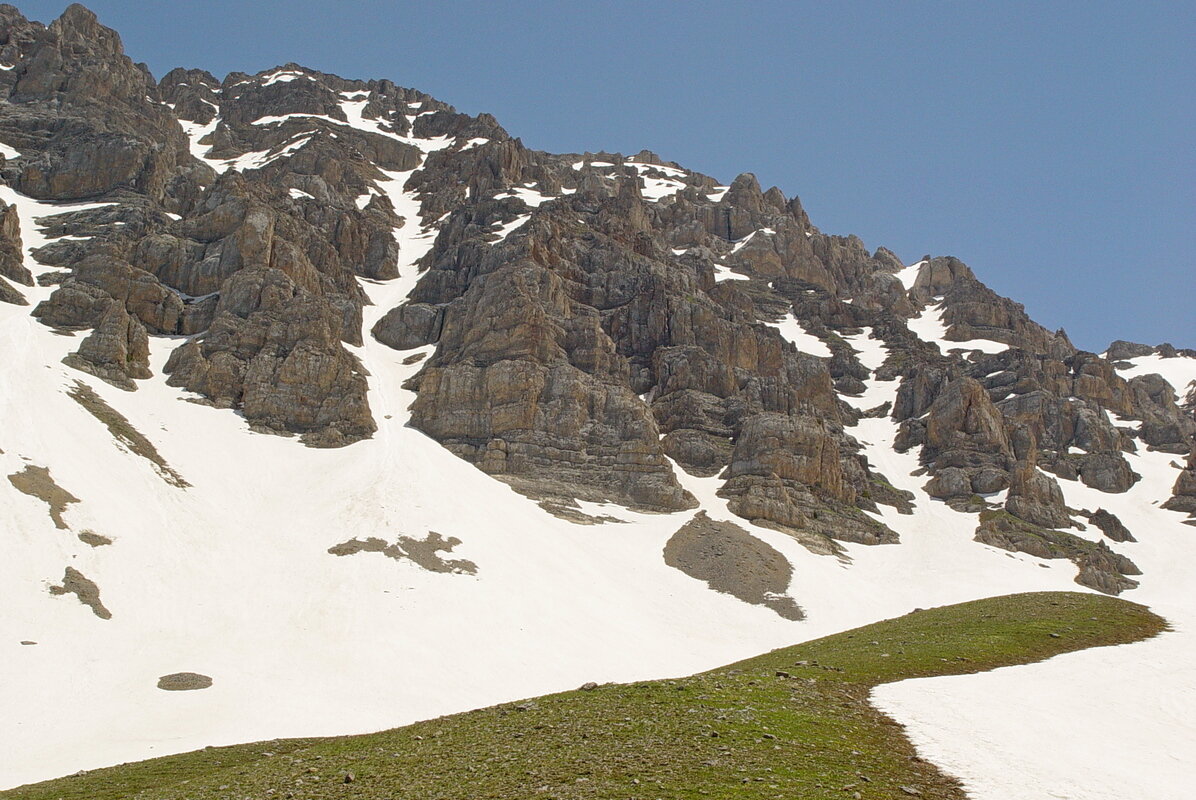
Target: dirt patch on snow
733 561
184 682
36 482
93 539
74 582
123 431
423 552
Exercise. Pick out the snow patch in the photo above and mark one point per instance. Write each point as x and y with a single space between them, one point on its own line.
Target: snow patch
1179 371
792 330
930 328
284 76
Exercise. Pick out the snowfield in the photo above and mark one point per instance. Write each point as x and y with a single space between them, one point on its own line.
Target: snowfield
232 578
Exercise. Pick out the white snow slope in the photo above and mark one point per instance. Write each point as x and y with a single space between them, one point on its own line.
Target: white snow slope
232 578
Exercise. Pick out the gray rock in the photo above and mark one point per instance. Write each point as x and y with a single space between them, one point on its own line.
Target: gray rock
1111 526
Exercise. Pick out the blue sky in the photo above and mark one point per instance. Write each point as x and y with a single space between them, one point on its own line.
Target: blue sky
1050 145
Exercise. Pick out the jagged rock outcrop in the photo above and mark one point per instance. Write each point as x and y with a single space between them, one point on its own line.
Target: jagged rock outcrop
1099 567
1183 494
790 472
965 442
273 350
12 258
973 311
1036 497
593 322
117 350
80 113
1111 526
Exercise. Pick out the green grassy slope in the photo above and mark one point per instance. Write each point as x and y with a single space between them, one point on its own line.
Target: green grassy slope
794 723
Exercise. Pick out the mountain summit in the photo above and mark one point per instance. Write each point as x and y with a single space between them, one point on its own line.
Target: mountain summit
336 408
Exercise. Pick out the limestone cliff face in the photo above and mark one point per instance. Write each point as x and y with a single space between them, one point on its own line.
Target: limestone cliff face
596 321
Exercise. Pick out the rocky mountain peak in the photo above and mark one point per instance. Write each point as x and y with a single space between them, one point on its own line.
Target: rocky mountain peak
586 322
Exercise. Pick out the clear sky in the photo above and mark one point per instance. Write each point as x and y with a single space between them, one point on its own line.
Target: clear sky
1050 145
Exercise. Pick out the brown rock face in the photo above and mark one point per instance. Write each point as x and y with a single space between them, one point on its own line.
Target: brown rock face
973 311
1111 526
281 363
1183 494
964 429
1099 567
790 472
117 350
102 133
587 338
12 254
582 307
1036 497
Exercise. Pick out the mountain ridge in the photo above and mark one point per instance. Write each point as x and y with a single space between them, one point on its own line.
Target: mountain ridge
618 339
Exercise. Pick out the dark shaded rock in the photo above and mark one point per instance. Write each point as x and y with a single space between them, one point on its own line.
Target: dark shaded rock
1108 472
790 472
1111 526
74 305
699 452
1183 493
522 419
1105 571
80 113
12 252
973 311
117 350
1036 497
919 390
10 295
950 482
1165 424
1121 350
409 325
1099 567
965 429
281 364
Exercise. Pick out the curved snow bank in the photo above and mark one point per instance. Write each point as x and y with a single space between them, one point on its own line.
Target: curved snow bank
1102 724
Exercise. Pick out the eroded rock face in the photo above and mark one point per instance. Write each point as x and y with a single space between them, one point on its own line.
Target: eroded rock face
595 322
281 363
1183 494
1110 525
12 257
791 472
77 111
1099 567
183 251
117 350
1036 497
